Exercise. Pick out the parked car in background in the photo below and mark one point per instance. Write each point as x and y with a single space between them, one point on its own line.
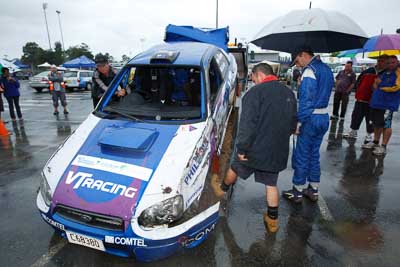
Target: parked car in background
22 75
80 79
40 81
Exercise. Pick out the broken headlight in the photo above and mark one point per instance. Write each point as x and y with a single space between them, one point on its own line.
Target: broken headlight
163 212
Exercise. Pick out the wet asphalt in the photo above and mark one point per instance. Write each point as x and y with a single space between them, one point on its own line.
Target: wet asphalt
356 223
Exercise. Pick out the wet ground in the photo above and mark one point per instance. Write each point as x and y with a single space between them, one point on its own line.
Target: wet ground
356 223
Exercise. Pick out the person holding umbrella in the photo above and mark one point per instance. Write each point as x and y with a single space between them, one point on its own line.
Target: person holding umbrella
313 122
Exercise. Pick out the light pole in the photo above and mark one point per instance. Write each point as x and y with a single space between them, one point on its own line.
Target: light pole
44 5
59 23
216 17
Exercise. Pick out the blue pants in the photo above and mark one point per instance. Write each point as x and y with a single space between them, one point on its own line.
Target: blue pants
305 160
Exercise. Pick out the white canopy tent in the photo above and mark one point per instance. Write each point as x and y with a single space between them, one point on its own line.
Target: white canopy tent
44 65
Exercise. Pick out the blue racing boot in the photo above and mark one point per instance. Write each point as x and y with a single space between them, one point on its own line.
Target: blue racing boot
293 195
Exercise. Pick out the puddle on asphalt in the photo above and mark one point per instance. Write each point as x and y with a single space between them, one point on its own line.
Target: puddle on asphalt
360 236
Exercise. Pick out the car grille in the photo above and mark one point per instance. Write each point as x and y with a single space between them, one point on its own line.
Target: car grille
90 219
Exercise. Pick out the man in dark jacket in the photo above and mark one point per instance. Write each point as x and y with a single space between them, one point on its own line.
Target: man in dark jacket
10 86
102 77
267 120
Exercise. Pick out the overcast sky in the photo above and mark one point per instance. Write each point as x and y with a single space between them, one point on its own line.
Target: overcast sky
127 26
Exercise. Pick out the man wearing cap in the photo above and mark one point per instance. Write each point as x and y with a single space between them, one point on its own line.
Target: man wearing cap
58 91
102 77
313 122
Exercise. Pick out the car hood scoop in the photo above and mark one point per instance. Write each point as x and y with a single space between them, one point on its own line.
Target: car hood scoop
127 139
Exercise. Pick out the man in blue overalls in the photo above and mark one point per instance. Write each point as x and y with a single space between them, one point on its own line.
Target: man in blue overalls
313 122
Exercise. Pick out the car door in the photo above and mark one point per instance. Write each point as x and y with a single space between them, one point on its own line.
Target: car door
219 93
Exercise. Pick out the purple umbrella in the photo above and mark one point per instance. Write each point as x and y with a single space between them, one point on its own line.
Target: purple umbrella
382 42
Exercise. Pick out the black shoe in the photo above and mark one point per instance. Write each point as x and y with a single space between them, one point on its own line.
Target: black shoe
293 195
334 117
311 193
66 112
55 113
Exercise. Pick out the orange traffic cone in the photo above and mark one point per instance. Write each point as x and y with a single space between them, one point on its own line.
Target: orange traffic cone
3 129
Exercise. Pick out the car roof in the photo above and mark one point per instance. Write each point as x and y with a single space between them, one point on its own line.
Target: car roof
190 53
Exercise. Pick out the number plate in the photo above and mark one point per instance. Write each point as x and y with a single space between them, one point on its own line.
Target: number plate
84 240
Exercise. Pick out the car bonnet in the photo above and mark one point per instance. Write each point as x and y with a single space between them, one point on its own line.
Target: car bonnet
110 171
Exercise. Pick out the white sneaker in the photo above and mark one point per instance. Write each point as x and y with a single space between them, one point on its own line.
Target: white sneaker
368 138
369 145
379 151
350 134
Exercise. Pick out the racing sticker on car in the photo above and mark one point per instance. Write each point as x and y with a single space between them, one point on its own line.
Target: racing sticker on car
53 223
195 239
187 128
85 180
127 241
195 162
113 166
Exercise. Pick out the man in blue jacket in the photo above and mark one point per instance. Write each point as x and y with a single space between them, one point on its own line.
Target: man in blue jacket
313 122
384 101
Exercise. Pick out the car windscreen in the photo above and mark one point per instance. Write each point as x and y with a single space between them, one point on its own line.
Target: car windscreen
159 93
70 74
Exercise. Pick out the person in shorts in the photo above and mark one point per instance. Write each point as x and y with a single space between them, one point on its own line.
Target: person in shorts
385 100
268 118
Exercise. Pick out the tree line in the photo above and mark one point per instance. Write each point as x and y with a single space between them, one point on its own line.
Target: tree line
34 55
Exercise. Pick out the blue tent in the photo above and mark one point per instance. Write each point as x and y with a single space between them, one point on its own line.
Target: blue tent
80 62
21 65
217 37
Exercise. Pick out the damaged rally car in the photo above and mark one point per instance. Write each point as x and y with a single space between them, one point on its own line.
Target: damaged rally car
129 179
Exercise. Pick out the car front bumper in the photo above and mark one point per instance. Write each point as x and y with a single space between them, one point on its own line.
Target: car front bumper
134 241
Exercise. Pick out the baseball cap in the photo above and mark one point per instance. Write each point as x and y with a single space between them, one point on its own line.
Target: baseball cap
100 59
297 51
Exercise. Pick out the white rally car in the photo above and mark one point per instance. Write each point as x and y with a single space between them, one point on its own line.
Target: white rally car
129 179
